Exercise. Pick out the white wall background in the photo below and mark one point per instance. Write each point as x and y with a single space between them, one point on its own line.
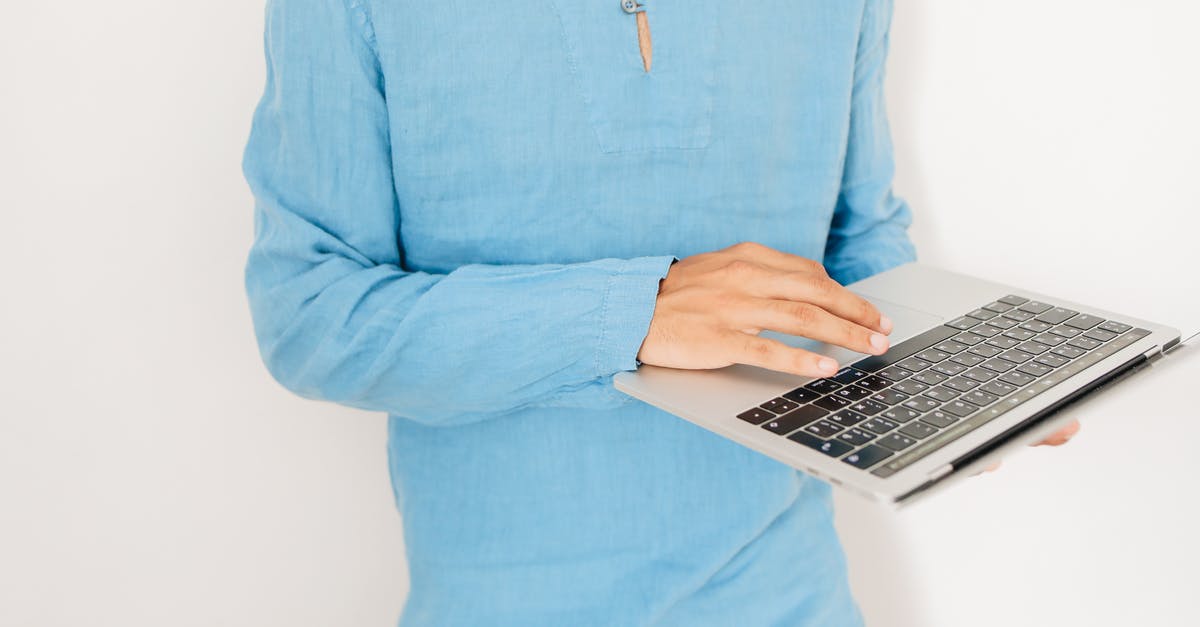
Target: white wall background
152 474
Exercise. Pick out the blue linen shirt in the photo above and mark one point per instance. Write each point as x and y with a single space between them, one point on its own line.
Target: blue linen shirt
463 211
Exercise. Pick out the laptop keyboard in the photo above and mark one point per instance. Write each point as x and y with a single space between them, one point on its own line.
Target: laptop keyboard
883 413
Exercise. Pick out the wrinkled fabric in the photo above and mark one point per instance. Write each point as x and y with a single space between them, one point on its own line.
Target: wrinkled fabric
463 211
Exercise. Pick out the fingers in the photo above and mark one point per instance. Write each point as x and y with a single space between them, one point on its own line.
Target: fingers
817 289
808 321
758 351
1061 436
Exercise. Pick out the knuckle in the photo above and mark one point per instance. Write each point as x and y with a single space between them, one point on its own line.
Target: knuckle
804 314
740 268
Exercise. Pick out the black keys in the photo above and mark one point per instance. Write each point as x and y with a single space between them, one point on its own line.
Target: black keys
998 306
1019 379
1034 307
906 348
848 375
1016 356
896 441
959 408
932 355
986 351
869 407
917 430
780 405
879 425
979 397
1084 322
1070 352
867 457
912 364
823 429
963 323
874 383
939 419
1020 334
833 448
900 414
979 374
1057 315
1002 323
1065 332
822 386
982 314
1033 348
890 397
910 387
950 346
1086 343
794 420
1037 326
999 388
986 330
1115 327
1003 343
961 384
998 365
852 393
756 416
1018 315
941 393
846 418
921 404
803 395
1035 369
856 437
1100 335
970 339
1054 361
929 377
895 373
1015 301
1049 339
831 403
949 368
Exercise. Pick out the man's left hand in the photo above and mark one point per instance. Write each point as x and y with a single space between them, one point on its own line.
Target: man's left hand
1058 438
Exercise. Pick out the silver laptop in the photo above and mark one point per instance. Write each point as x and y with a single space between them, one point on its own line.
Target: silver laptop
975 368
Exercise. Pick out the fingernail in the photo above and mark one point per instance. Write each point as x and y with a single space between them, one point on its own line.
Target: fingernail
878 342
827 365
885 324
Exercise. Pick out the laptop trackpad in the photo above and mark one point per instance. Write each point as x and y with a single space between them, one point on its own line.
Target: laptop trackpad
908 322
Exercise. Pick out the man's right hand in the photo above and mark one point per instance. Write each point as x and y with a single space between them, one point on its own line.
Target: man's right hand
711 308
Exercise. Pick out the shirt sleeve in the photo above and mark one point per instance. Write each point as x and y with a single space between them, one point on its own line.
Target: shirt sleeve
869 232
337 315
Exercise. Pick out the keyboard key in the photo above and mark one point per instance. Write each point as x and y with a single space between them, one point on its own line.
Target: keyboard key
967 359
1054 361
979 397
999 388
874 383
823 429
982 314
950 346
1070 352
848 375
906 348
896 442
913 364
802 395
970 339
1086 343
852 393
1019 379
1032 347
1084 321
756 416
1065 332
963 323
822 386
918 430
856 437
979 374
1035 369
910 387
794 420
895 373
1058 315
929 377
939 419
1002 323
998 365
961 384
986 351
900 414
833 448
1002 342
779 405
941 393
1034 307
831 403
869 407
1049 339
879 425
921 404
1018 315
1016 356
1100 335
1019 334
959 408
846 418
1037 326
1014 300
949 368
867 457
932 355
998 307
1115 327
890 397
986 330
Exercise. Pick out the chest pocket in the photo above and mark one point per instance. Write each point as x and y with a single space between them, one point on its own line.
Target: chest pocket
630 109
